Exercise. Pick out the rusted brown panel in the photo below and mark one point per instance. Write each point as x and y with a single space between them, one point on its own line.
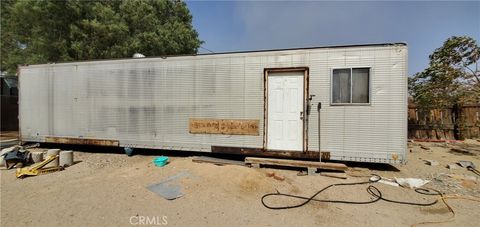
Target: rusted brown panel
269 153
82 141
224 126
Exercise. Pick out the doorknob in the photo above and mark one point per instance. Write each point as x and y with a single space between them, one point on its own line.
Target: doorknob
301 115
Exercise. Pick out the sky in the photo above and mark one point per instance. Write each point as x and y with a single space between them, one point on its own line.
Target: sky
255 25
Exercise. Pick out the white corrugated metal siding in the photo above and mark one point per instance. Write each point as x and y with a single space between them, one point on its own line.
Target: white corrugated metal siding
148 102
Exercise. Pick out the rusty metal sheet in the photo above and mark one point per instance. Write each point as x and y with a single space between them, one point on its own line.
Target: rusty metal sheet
313 155
224 126
82 141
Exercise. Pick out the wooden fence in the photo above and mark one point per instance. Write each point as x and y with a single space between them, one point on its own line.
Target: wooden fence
462 122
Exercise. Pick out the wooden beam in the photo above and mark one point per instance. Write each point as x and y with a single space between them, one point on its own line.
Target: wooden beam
82 141
295 163
217 161
270 153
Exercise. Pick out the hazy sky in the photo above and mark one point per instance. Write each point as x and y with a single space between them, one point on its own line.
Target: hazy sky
254 25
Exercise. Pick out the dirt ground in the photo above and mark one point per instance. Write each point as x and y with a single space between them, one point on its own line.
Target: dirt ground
109 189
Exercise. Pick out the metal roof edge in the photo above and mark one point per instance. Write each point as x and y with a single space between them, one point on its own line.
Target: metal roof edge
231 52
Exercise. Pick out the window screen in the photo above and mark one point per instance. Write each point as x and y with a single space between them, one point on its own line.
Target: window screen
351 85
360 81
341 86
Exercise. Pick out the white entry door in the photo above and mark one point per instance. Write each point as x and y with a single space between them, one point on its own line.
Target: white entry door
285 111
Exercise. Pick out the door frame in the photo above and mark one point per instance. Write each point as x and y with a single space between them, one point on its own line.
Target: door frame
306 72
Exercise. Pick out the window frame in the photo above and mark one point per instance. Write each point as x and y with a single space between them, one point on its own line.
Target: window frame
369 103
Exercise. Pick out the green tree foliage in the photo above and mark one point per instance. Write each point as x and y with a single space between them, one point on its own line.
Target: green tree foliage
41 31
452 77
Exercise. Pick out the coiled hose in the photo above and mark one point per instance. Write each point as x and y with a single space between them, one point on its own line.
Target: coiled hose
372 190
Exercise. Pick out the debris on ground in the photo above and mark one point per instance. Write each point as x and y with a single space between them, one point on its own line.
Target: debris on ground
466 164
169 188
424 147
38 168
334 175
270 174
462 177
475 171
275 176
160 161
279 177
302 173
4 152
411 182
16 157
452 166
461 151
388 182
431 162
21 156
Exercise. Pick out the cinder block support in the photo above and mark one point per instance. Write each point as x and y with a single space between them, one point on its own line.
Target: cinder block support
37 156
52 152
66 158
128 151
312 171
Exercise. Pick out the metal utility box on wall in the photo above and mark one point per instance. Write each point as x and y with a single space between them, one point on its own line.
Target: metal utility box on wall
254 103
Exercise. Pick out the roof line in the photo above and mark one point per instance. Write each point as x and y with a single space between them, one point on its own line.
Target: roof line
235 52
301 48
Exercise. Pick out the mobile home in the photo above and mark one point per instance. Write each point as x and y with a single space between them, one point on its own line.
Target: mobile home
349 102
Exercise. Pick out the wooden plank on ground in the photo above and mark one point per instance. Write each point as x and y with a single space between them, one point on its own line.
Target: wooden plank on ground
217 161
295 163
334 175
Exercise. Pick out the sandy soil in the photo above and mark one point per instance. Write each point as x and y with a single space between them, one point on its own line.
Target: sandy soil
108 189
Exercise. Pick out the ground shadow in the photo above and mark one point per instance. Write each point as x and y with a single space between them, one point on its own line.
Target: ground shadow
373 166
176 153
461 152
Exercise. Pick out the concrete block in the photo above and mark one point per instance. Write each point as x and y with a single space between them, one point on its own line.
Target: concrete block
312 171
66 158
37 156
52 152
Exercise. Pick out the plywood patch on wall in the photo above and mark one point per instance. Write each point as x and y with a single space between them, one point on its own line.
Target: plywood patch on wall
224 126
204 126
